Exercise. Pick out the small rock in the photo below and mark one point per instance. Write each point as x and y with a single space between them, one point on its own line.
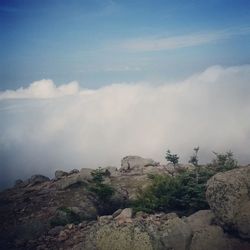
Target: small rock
74 171
141 214
117 212
125 216
42 247
20 242
105 219
169 216
55 230
18 183
60 174
63 236
70 226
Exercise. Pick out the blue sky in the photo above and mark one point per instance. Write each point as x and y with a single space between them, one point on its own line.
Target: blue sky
99 42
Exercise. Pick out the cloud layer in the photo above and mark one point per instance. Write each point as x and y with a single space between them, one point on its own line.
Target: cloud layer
44 127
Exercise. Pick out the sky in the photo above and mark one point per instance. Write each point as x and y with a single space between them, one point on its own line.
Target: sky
85 83
98 42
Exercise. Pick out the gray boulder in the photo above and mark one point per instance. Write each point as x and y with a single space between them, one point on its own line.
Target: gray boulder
176 234
136 163
229 198
127 237
198 220
208 236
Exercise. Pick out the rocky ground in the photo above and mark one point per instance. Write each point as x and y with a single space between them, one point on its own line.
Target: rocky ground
31 210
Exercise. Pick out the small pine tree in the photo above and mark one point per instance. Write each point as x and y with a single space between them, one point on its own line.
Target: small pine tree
173 158
194 160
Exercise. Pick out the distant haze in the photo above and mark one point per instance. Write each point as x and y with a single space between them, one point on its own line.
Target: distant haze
45 127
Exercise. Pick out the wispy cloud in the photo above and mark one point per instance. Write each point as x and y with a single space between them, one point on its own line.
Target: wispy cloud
182 41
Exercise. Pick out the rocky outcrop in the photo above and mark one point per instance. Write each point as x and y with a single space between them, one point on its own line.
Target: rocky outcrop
228 195
75 179
154 232
62 213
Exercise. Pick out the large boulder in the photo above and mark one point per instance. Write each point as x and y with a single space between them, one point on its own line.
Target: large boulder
228 195
136 164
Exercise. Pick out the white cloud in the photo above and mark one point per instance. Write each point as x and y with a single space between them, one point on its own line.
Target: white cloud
182 41
41 89
90 128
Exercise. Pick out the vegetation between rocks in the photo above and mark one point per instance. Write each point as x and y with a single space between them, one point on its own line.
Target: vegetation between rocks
184 192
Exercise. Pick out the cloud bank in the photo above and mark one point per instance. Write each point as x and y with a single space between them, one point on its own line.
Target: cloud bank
44 127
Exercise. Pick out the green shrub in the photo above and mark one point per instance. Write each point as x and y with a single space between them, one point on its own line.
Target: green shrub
181 192
184 192
224 162
98 175
103 192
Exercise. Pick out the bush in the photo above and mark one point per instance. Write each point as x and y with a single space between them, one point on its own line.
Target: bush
181 192
184 192
158 195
